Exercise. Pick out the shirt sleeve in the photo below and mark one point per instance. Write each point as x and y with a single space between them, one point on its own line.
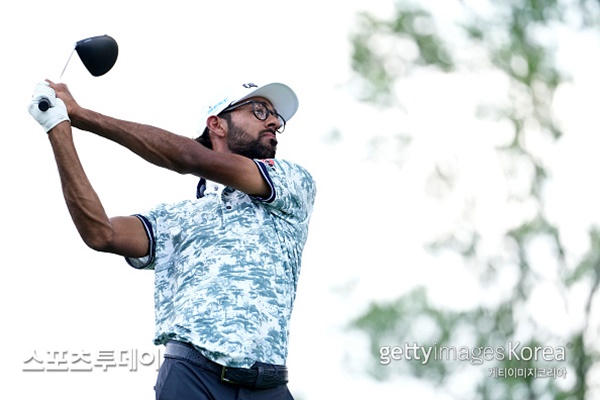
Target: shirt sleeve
293 189
146 262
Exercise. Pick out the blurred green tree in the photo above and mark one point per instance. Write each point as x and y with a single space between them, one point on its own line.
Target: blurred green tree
515 40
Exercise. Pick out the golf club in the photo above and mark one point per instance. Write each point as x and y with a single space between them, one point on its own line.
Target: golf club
98 54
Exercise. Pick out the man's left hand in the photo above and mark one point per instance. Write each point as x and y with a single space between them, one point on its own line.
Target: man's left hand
56 112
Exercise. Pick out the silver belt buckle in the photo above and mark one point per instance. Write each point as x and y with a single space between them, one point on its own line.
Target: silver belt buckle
223 378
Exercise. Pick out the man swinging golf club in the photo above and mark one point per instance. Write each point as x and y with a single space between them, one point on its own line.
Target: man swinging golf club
226 263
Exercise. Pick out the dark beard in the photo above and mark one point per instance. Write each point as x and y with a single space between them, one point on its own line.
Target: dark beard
240 142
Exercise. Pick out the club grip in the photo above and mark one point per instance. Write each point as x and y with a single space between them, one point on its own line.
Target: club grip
44 105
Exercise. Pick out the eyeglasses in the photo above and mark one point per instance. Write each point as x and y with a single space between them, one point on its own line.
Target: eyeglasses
261 111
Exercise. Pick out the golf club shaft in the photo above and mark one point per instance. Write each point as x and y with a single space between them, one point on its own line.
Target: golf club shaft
44 103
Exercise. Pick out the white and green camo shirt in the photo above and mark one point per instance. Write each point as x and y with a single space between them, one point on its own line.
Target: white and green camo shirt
227 266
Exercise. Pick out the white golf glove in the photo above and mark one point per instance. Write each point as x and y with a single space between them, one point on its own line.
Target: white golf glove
56 112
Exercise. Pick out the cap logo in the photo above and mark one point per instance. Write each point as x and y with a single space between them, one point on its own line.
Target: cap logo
215 106
249 85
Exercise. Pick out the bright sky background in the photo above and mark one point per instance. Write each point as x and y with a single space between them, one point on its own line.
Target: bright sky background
57 295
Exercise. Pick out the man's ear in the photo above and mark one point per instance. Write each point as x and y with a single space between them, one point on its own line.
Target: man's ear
217 126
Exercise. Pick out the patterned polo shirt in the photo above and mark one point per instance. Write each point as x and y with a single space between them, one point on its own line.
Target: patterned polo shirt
227 264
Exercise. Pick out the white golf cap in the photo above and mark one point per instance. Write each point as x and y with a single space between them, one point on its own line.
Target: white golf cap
281 96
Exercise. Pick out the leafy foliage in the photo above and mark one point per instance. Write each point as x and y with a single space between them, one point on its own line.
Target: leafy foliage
514 38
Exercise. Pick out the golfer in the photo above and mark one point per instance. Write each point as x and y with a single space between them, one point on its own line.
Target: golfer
227 262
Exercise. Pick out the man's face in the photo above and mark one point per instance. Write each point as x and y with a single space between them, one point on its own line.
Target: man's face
250 137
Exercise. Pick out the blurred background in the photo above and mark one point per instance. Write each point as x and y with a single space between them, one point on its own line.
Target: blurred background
454 147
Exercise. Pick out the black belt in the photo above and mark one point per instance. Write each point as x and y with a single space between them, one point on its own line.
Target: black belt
260 375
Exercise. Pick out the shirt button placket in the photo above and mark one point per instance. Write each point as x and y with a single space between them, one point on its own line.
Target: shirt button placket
225 197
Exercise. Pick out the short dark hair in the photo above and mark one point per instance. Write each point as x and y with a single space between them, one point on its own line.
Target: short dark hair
204 139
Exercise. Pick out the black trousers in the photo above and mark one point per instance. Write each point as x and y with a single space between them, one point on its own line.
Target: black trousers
181 380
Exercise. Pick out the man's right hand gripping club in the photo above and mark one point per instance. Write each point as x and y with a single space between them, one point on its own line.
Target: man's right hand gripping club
56 113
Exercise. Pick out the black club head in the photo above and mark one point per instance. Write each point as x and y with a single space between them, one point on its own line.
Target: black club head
98 54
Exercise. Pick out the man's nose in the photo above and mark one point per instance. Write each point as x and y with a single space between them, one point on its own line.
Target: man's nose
273 122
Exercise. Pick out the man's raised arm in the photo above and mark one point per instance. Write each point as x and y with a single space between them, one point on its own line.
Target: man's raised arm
121 235
168 150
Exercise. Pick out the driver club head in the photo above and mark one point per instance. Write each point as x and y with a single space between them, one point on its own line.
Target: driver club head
98 53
